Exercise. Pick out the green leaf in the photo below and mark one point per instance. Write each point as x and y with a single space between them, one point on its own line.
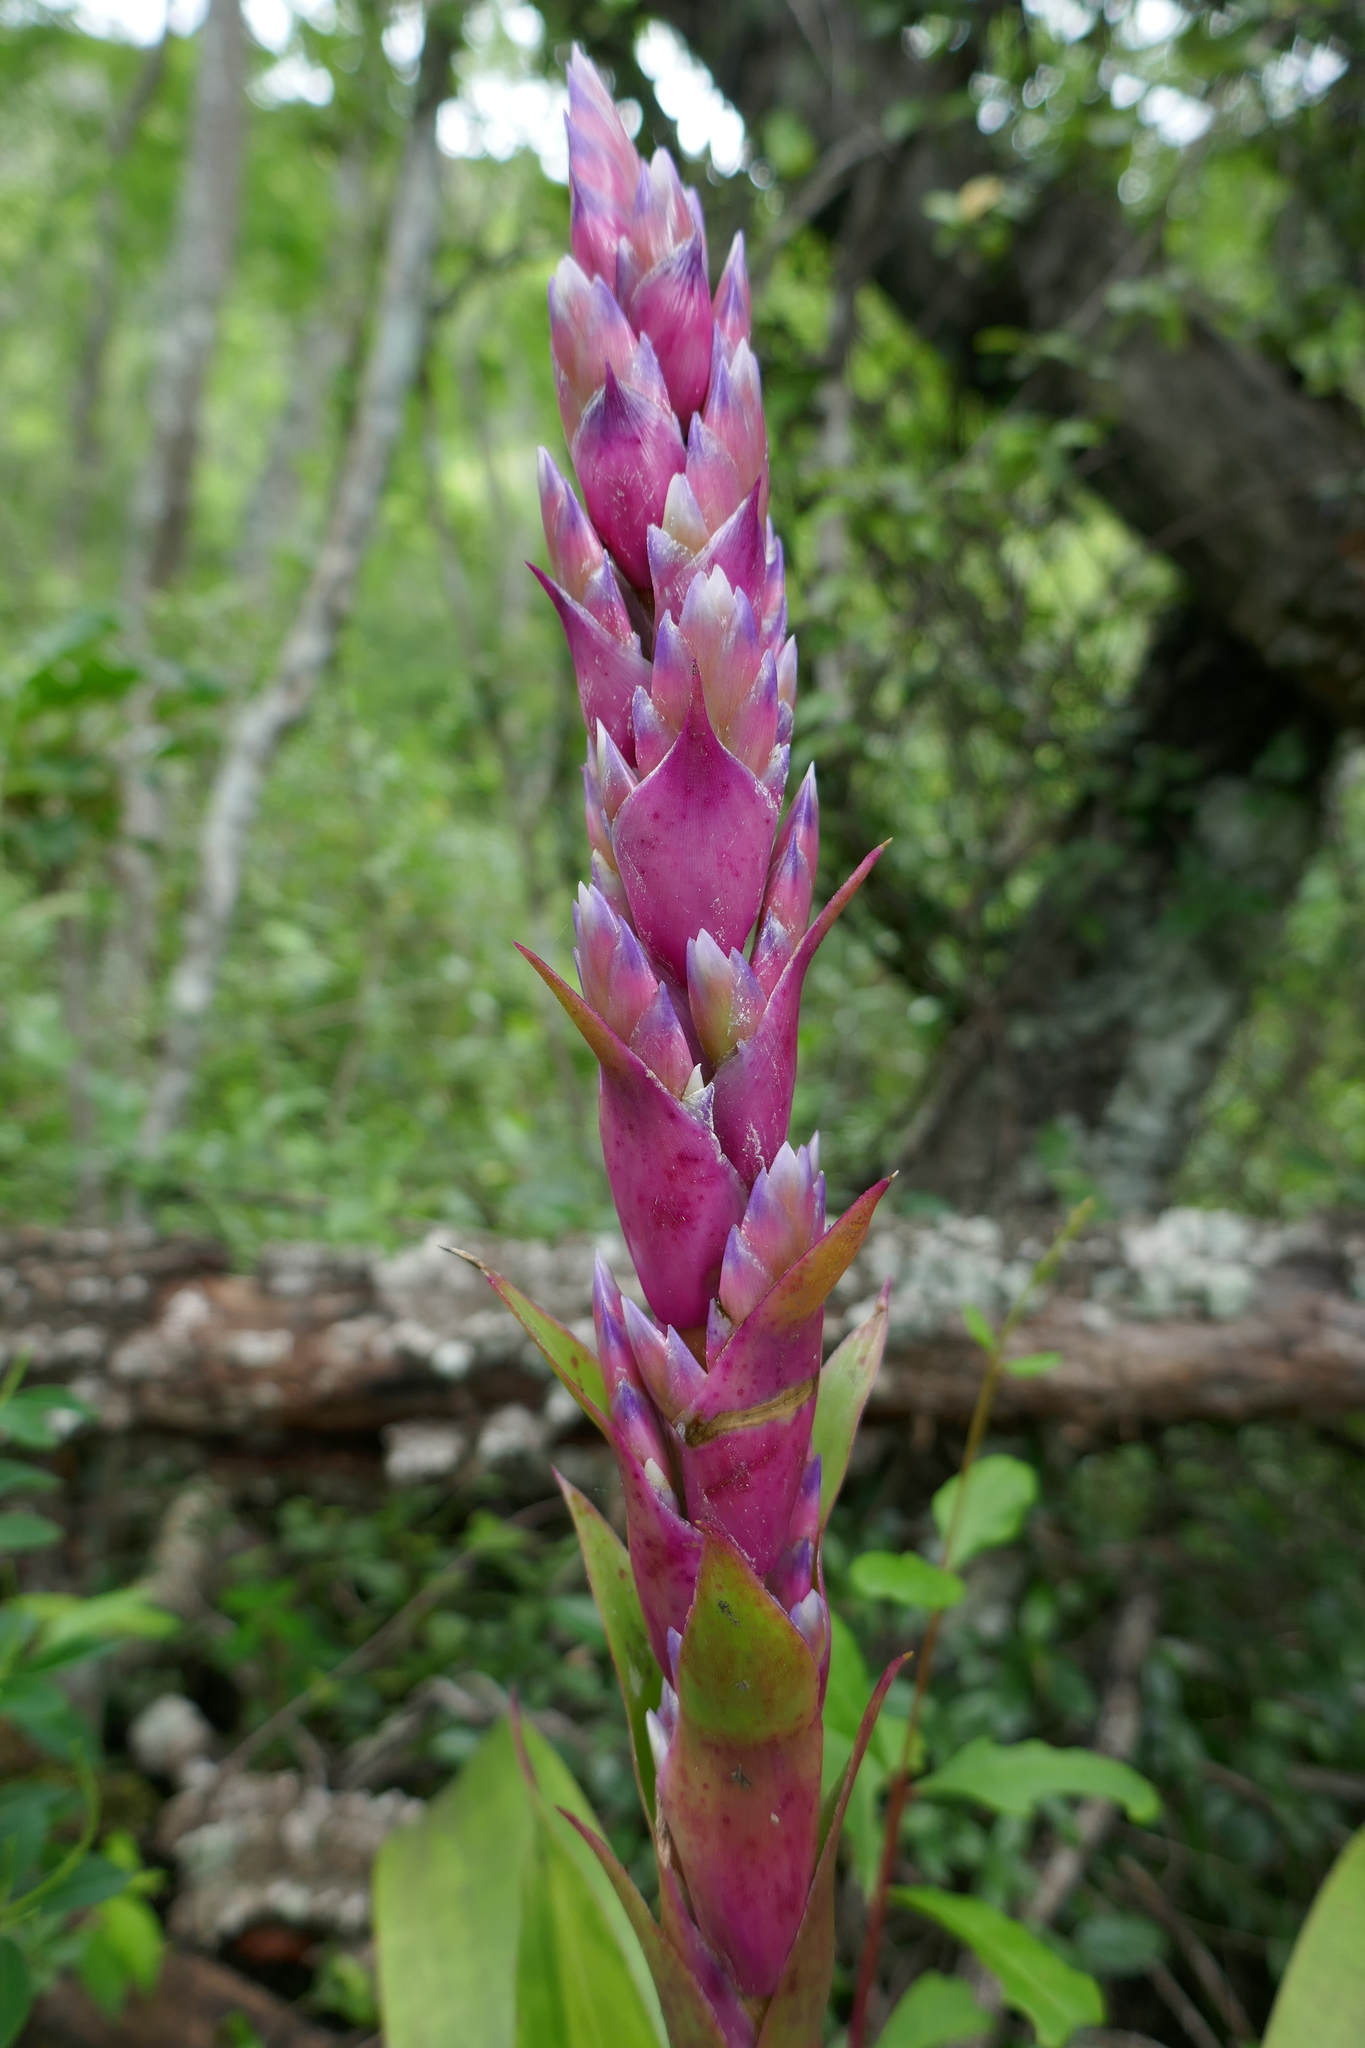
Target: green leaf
845 1382
979 1329
909 1580
1322 1997
574 1985
42 1710
1000 1492
849 1686
27 1811
936 2012
19 1478
1033 1365
1034 1980
122 1949
607 1563
847 1692
447 1906
20 1529
1015 1777
448 1896
68 1622
16 1991
570 1359
39 1417
94 1880
1119 1944
745 1674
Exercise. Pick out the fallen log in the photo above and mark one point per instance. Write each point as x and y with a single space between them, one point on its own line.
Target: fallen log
1191 1314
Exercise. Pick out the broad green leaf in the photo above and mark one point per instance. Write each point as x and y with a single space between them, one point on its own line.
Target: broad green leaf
1000 1492
574 1985
909 1580
607 1563
1014 1777
16 1991
447 1902
845 1382
936 2012
20 1529
1322 1997
569 1358
978 1327
448 1896
1033 1365
1034 1980
16 1477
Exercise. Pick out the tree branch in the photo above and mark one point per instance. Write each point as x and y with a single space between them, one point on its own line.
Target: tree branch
395 353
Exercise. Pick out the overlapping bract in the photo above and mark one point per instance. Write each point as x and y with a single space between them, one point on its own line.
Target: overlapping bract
693 939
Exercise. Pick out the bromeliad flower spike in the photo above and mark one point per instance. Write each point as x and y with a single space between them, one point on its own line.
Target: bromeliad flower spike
729 1434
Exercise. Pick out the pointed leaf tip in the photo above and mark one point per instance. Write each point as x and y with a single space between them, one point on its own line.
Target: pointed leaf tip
572 1363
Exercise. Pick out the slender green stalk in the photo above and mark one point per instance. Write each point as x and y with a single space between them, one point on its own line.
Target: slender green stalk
901 1789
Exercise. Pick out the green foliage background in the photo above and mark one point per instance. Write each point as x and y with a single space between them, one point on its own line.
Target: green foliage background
970 617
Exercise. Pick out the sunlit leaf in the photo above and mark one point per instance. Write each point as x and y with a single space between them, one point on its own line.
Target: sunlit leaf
1322 1997
907 1579
978 1326
936 2012
846 1380
449 1893
574 1985
1033 1365
1015 1777
123 1949
1000 1492
1033 1978
68 1622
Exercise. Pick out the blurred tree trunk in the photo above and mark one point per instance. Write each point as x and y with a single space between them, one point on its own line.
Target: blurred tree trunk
89 392
329 341
196 278
395 354
1127 982
197 273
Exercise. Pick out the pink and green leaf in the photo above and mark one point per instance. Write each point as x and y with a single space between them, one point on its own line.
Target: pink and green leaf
574 1365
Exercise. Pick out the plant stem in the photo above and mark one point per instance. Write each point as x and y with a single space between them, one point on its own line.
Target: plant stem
901 1789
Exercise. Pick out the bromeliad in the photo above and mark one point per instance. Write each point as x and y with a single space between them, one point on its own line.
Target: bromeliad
668 580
